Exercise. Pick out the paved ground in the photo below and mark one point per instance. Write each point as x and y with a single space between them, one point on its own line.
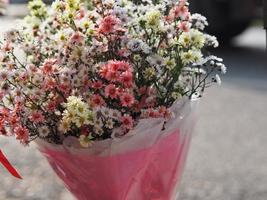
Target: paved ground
228 155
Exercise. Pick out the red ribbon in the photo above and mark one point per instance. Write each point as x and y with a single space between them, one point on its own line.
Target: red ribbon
8 166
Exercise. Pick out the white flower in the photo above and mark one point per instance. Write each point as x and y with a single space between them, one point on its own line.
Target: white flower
211 41
85 141
105 112
115 114
43 131
197 55
184 39
98 130
197 38
199 21
153 19
109 124
222 68
98 122
136 45
169 29
145 48
187 57
155 60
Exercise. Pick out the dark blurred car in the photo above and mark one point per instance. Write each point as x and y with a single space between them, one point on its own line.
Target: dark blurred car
227 18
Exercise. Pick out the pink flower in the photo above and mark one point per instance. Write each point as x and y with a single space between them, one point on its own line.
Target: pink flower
51 106
124 52
103 71
184 26
112 75
119 65
32 68
13 120
97 100
127 121
48 65
22 134
36 117
127 79
7 46
108 24
24 76
76 38
49 83
97 85
80 14
181 11
4 75
127 99
65 88
111 91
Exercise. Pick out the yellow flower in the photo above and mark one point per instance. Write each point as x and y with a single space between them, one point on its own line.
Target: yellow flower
77 112
37 8
197 55
149 73
73 5
187 57
197 38
85 141
170 64
153 19
64 126
192 38
185 39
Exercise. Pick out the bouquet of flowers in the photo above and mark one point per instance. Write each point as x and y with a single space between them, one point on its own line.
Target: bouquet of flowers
106 87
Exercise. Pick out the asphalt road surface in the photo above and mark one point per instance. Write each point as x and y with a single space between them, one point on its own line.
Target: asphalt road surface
228 155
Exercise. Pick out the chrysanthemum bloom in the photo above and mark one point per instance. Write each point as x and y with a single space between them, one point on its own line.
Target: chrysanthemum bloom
108 24
84 141
76 38
22 134
13 120
49 83
97 84
97 100
36 117
111 91
51 106
127 99
127 121
127 79
103 71
112 75
43 131
47 67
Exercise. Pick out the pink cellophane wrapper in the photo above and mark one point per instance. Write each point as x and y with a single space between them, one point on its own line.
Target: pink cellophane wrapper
144 165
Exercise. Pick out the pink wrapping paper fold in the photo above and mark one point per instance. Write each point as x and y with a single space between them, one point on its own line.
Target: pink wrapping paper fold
132 168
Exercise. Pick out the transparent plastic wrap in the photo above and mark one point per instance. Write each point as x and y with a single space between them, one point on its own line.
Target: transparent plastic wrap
144 165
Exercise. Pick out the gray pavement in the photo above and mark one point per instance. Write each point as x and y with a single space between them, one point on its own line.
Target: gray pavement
228 155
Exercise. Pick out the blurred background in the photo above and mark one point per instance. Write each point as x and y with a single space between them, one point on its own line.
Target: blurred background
228 155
